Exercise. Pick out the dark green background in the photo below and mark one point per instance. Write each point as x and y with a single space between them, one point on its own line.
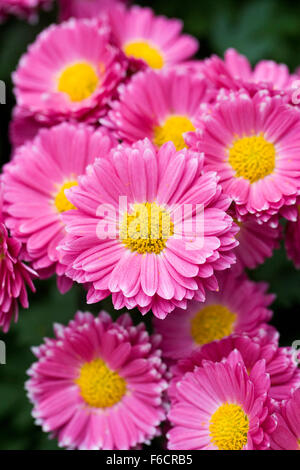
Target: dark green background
268 29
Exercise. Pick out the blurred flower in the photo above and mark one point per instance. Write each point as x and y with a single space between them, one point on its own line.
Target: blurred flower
292 241
280 362
257 242
85 9
235 72
253 143
220 406
22 8
160 106
14 274
98 384
69 72
287 433
240 306
23 127
149 40
156 255
35 181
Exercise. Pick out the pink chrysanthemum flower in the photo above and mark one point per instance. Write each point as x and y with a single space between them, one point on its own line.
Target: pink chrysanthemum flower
257 242
70 72
162 106
149 40
287 433
98 384
22 8
220 407
35 183
280 362
292 241
136 232
240 306
86 9
253 143
14 275
235 72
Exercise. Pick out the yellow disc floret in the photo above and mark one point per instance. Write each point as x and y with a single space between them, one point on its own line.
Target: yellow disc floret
99 386
145 51
252 158
173 129
212 323
147 228
61 202
79 81
229 427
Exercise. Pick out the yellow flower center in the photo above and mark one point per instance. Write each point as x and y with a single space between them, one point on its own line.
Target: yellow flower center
61 202
79 81
212 323
147 228
99 386
252 158
173 129
143 50
229 427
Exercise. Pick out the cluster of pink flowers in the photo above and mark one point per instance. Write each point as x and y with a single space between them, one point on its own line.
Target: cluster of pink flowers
155 178
22 8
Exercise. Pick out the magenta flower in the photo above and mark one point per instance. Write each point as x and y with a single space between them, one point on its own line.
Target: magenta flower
280 362
160 106
98 384
70 72
235 72
287 433
149 248
86 9
220 407
14 276
22 8
23 127
292 241
257 242
35 181
239 306
149 40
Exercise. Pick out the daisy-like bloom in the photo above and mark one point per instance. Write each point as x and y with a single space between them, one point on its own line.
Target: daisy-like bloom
98 384
22 8
256 243
149 228
162 106
85 9
236 72
292 241
35 183
287 433
253 143
14 275
220 407
148 40
240 306
69 72
280 362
